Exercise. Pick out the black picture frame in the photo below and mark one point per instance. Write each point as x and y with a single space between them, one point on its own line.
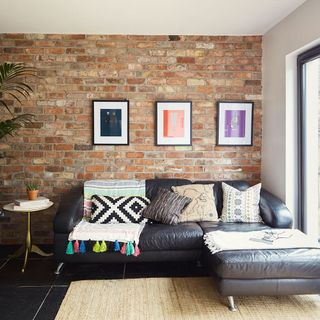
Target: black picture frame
169 105
109 135
242 133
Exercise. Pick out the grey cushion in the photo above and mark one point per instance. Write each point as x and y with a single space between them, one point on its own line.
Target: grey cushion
166 207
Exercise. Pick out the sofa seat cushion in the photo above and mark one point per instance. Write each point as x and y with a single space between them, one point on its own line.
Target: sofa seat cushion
208 226
183 236
265 264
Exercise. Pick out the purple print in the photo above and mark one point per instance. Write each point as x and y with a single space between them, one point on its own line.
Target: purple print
235 123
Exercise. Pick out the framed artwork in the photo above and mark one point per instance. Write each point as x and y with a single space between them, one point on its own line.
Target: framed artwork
111 122
173 123
235 123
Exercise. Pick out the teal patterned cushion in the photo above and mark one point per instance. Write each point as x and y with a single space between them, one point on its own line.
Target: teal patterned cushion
241 206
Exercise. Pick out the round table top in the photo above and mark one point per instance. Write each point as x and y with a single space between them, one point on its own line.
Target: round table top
9 207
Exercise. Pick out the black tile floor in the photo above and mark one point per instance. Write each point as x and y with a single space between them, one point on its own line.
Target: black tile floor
38 293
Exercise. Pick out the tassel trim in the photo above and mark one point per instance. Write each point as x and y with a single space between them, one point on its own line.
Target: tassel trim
76 246
136 251
82 248
116 246
96 247
127 249
123 249
69 249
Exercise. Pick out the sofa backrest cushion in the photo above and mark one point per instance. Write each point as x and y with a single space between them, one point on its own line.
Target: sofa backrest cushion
152 185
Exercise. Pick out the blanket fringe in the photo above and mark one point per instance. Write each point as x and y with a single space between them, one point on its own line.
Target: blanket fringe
116 246
127 249
70 248
136 251
76 246
82 248
103 247
123 249
96 247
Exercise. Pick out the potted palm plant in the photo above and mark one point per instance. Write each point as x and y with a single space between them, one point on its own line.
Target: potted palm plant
12 84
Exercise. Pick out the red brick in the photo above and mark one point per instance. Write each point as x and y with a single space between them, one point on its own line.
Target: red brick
96 168
134 168
185 60
33 154
63 147
54 169
134 154
136 81
12 169
97 154
55 50
35 169
54 139
85 176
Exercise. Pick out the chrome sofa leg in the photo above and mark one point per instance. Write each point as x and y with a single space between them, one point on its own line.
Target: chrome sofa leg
60 266
231 306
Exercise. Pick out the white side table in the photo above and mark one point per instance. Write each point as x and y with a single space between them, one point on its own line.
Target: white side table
28 247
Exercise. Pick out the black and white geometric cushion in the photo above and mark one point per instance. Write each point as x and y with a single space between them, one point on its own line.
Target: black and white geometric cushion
107 209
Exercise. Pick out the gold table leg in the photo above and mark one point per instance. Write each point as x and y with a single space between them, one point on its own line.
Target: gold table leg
28 241
38 251
28 247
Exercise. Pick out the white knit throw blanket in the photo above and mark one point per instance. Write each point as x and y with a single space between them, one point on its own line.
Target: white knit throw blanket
282 239
122 232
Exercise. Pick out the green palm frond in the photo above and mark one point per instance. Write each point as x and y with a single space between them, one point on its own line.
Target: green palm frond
11 84
10 125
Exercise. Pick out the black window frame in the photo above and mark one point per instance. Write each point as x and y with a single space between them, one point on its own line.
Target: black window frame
302 60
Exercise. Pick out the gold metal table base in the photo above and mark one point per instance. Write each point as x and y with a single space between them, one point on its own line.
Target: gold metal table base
22 250
28 247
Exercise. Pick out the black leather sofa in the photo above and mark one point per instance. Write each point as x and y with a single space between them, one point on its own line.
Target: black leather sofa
241 272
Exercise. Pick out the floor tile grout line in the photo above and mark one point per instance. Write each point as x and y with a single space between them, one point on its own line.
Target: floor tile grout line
35 286
46 296
60 285
4 263
42 303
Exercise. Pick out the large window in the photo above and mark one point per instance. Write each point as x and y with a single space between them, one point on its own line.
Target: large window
309 141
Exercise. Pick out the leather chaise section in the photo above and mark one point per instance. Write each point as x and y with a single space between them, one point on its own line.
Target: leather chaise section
267 287
265 264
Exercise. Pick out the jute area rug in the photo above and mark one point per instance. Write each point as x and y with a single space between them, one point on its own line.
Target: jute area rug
175 299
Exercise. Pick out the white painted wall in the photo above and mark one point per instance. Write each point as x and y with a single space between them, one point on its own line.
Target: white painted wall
281 45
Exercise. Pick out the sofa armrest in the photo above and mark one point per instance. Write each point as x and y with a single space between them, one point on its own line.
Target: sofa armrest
70 211
273 211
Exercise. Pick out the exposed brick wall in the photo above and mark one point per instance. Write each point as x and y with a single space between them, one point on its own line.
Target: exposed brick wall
57 151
